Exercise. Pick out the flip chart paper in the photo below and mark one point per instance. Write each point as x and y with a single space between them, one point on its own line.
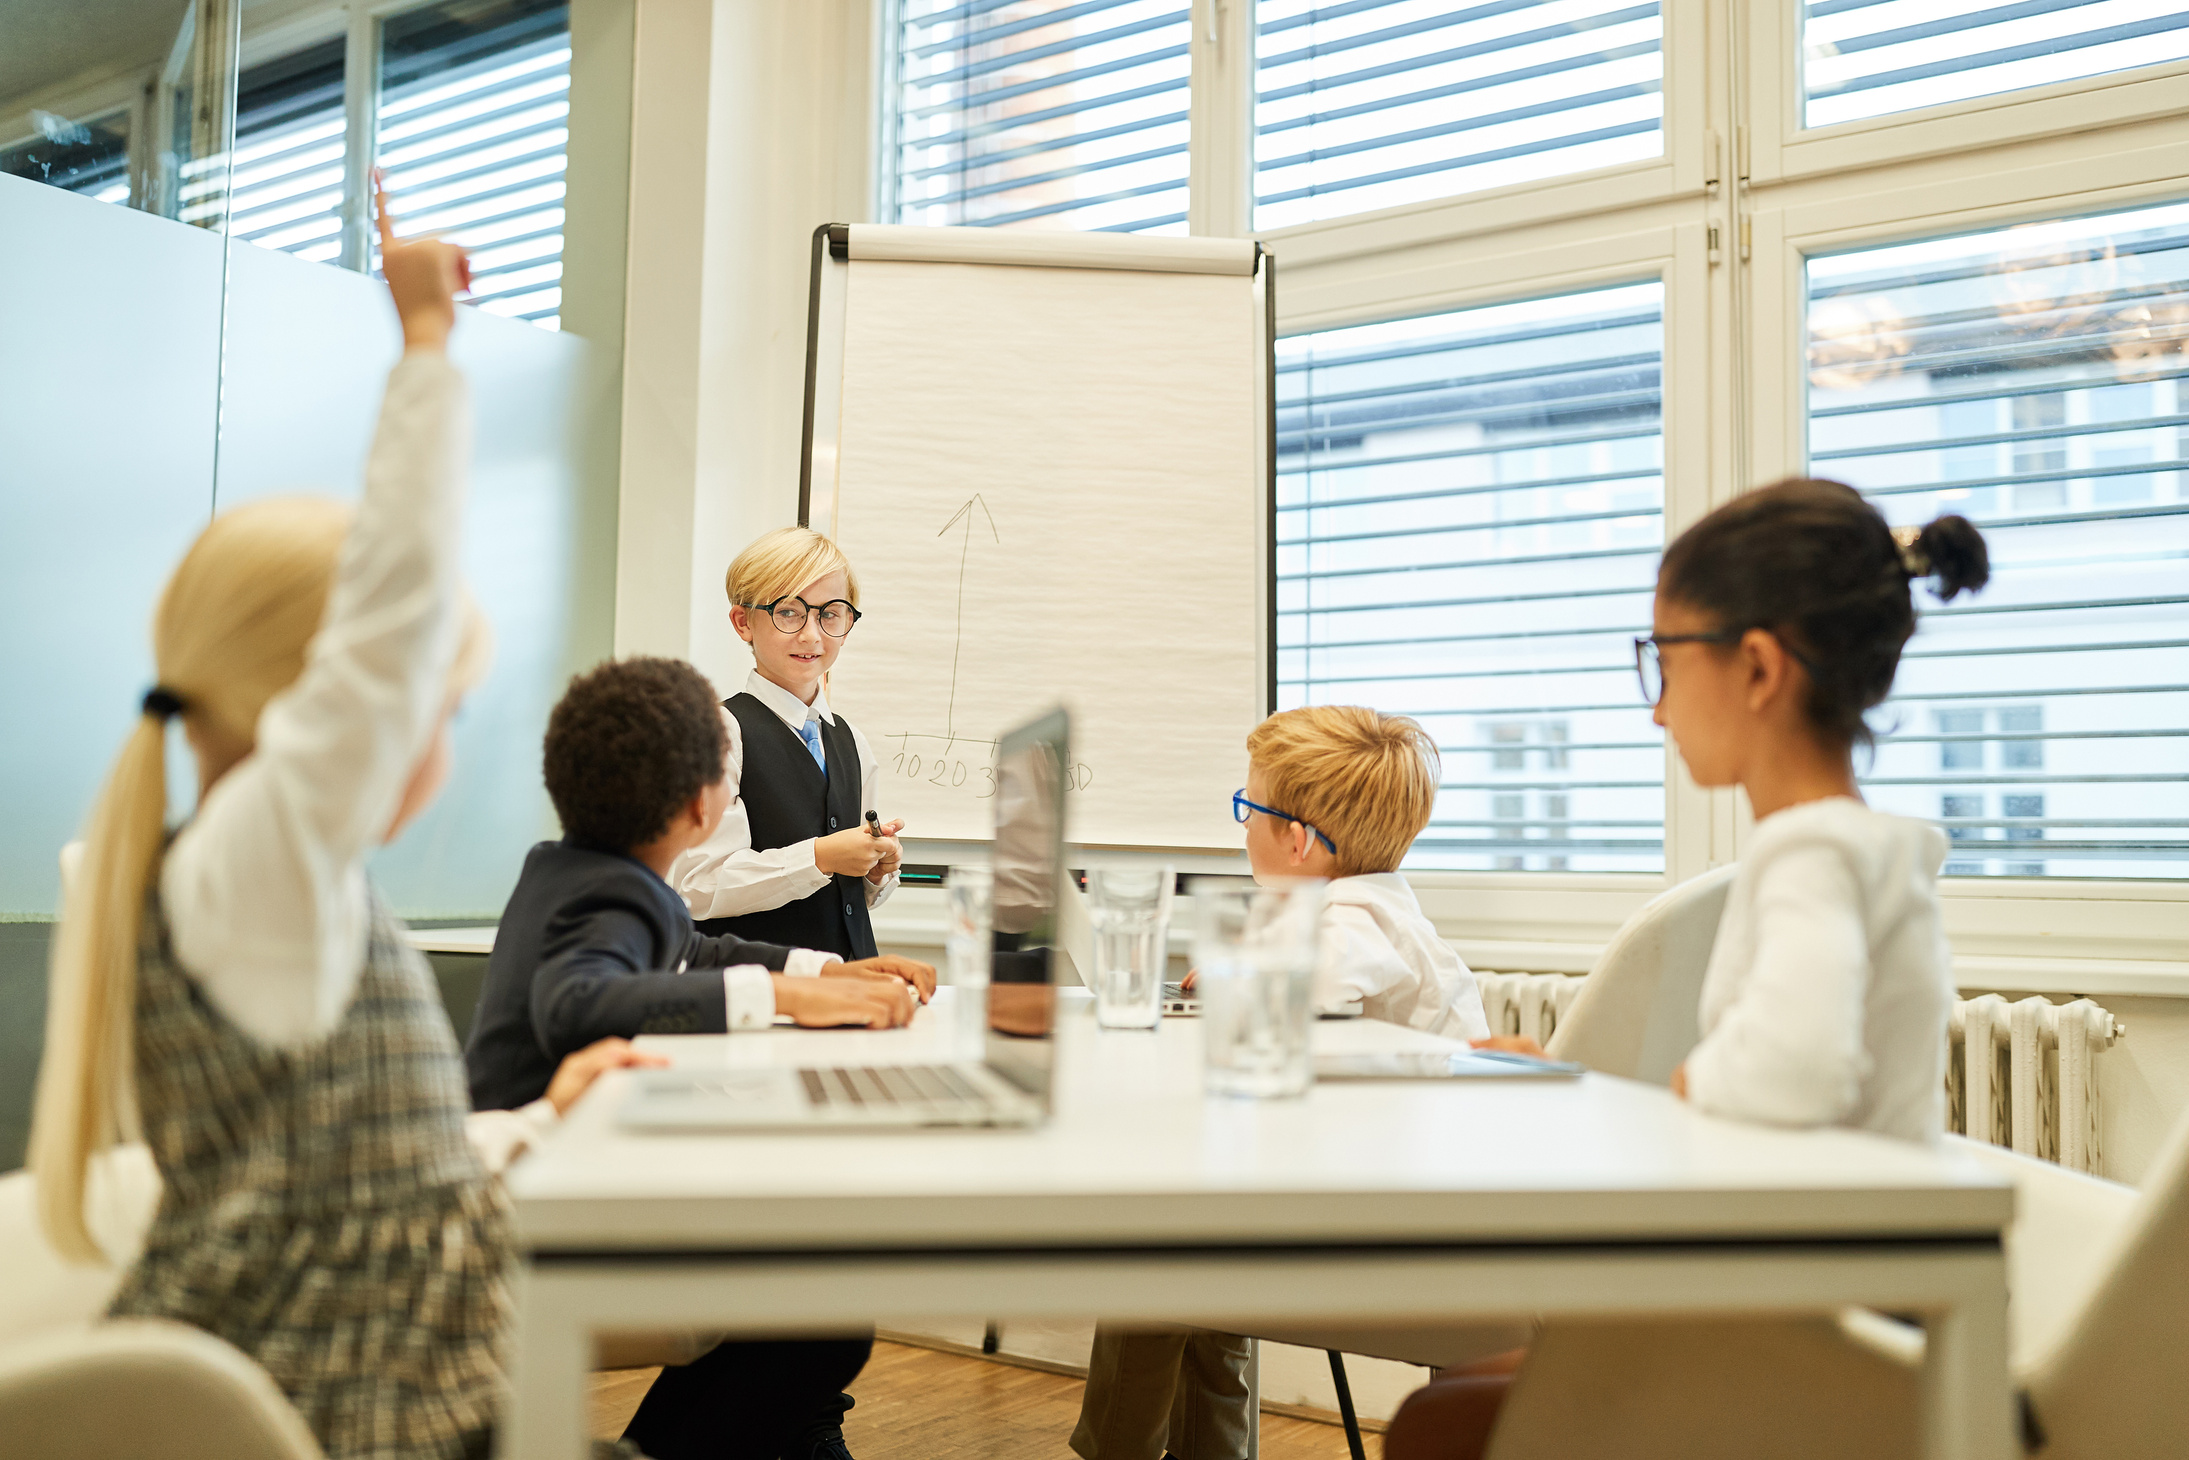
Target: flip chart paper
1048 485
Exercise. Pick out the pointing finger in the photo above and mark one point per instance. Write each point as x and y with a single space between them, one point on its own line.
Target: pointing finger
380 209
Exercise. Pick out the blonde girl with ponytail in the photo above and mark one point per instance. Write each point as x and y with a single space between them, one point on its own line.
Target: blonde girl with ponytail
234 995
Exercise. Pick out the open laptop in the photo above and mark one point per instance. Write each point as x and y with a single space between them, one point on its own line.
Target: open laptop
1010 1084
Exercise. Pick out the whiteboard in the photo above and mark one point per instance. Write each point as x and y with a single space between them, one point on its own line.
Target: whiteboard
1048 458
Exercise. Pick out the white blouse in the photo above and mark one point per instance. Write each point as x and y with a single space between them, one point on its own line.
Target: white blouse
264 887
726 876
1378 947
1828 990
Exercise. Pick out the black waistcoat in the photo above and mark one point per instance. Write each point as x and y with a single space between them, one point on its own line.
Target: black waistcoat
787 800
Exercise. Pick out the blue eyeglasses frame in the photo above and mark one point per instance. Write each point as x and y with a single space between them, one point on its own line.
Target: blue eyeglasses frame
1240 806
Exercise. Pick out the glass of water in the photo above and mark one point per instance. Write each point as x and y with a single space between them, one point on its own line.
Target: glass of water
1130 911
1254 967
968 943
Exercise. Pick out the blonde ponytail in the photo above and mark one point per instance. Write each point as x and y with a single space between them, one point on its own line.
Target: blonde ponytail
230 633
90 1002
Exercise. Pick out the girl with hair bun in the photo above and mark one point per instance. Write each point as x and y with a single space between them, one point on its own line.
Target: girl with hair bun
234 995
1779 623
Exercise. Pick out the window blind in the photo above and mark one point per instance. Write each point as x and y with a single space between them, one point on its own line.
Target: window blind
472 130
1470 509
286 180
2036 381
1373 103
1041 113
1866 58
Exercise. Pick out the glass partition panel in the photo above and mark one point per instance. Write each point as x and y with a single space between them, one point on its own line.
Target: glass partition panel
110 365
300 417
2036 381
1469 512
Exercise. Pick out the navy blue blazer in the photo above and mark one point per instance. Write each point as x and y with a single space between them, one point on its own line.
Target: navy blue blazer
592 944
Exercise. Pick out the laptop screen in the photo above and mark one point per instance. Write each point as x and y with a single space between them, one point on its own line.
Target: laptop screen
1029 878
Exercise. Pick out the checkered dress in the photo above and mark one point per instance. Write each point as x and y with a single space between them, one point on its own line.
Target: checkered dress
323 1210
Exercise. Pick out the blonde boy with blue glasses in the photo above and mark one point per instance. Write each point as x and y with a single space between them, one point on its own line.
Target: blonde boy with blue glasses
1337 792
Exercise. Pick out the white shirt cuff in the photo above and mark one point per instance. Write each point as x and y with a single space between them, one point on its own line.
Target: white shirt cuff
500 1136
807 963
749 995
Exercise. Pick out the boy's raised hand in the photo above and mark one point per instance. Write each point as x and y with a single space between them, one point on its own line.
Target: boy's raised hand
424 274
920 976
829 1003
576 1074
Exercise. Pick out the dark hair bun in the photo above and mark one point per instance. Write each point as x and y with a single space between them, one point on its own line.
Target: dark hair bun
1955 551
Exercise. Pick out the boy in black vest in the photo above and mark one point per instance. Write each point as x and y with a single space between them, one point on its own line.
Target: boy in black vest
794 860
593 943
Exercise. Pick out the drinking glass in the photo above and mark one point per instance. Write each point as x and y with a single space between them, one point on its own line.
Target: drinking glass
1130 910
968 943
1254 960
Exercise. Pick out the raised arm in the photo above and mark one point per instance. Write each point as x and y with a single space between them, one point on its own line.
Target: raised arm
265 889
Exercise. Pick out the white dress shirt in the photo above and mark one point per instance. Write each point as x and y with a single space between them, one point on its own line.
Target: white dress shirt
726 875
1829 988
1380 949
264 888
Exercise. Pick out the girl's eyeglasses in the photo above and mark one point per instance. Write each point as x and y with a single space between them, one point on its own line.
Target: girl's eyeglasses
1240 806
1649 664
790 614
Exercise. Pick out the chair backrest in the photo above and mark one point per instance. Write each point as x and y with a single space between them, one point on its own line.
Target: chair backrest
2068 1228
45 1293
144 1390
2112 1385
1636 1014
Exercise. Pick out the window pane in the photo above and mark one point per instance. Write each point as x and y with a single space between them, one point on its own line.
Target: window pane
89 157
290 135
1371 105
1865 58
2035 380
474 106
1042 113
1470 508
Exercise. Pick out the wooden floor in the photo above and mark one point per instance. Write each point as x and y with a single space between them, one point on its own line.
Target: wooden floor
916 1404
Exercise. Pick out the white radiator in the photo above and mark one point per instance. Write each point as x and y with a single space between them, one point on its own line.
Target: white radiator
2037 1092
2025 1075
1526 1003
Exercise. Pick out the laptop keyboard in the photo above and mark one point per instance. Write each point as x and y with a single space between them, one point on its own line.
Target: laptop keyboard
890 1085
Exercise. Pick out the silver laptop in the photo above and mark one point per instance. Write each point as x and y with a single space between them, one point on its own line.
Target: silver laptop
1010 1084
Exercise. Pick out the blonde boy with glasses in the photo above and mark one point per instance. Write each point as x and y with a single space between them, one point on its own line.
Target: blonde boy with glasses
1338 792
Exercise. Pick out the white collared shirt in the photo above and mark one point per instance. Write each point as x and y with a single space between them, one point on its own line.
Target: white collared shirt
1828 990
727 876
1378 947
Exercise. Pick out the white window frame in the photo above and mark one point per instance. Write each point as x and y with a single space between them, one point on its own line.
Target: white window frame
1725 219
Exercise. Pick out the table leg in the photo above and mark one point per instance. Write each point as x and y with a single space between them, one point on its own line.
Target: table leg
551 1361
1254 1399
1967 1398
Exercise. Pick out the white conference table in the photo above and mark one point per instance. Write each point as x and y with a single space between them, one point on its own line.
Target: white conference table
1408 1203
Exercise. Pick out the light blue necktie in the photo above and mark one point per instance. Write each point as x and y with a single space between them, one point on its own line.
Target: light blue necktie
810 732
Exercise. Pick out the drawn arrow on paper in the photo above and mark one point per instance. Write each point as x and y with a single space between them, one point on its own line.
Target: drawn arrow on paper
965 550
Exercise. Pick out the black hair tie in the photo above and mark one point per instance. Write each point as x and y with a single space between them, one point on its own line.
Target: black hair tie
162 703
